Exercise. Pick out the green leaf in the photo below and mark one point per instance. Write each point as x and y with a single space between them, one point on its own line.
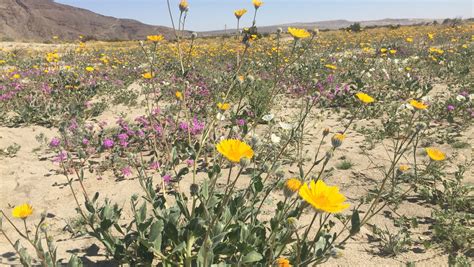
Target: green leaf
74 261
355 222
253 256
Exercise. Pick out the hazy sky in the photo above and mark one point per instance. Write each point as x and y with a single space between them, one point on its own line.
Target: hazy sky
214 14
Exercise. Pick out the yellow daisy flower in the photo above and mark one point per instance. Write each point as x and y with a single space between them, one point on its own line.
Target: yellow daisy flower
147 75
323 197
155 38
365 98
435 154
179 95
22 211
257 3
418 104
239 13
293 184
298 33
183 6
404 167
234 150
223 106
282 262
337 139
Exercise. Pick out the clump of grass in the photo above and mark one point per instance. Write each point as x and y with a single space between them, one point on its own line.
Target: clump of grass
460 145
344 165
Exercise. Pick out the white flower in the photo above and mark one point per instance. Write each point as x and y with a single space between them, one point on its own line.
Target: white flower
425 99
405 106
460 98
268 117
220 116
471 97
275 139
287 126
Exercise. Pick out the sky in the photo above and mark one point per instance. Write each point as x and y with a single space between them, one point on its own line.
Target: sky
217 14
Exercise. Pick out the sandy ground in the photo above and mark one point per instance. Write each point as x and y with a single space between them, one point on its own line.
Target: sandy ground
30 177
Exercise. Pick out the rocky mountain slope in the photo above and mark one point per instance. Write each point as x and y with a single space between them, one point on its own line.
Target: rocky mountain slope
40 20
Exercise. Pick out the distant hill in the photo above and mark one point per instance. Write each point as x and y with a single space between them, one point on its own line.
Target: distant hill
328 25
39 20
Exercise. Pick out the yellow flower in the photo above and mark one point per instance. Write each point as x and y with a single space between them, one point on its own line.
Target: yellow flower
90 69
330 66
393 51
435 154
337 139
409 40
365 98
293 184
430 36
257 3
323 197
239 13
183 6
436 50
418 105
22 211
179 95
155 38
404 167
298 33
383 50
16 76
147 75
234 150
2 61
282 262
223 106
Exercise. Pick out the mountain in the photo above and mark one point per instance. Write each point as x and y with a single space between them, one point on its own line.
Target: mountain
40 20
328 25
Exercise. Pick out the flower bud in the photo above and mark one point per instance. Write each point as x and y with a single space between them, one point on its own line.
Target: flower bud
291 221
315 31
337 139
194 189
326 132
279 30
250 78
194 35
244 162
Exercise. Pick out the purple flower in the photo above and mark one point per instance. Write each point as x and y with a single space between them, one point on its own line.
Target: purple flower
241 122
55 142
85 141
189 162
167 178
450 107
127 171
73 125
122 137
154 165
108 143
61 157
197 126
140 134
